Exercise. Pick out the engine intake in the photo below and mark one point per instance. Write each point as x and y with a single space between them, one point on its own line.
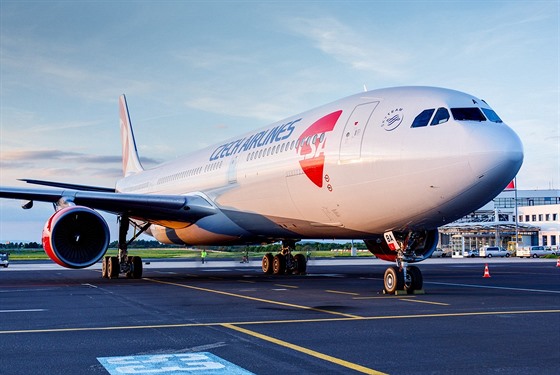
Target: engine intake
425 244
76 237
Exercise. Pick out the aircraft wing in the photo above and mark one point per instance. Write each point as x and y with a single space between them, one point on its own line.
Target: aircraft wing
65 185
146 207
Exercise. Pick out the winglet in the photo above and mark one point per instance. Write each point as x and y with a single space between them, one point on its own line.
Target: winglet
130 160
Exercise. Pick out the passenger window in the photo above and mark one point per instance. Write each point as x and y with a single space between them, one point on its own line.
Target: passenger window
468 114
423 118
441 116
491 115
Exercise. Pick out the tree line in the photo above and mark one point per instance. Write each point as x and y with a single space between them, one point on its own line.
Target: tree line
152 244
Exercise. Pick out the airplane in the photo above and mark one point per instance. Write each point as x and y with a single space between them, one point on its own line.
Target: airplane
386 166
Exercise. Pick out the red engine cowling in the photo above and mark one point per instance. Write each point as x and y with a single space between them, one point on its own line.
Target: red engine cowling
76 237
424 245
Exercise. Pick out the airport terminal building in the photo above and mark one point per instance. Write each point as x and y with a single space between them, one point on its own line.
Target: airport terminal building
531 215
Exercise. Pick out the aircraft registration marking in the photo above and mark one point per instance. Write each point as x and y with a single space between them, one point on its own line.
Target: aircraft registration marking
176 364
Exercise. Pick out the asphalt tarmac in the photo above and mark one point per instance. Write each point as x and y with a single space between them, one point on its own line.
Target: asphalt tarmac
228 318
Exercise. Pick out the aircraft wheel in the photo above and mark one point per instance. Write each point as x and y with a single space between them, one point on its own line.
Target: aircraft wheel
416 278
278 264
301 264
105 267
393 280
267 263
113 268
137 269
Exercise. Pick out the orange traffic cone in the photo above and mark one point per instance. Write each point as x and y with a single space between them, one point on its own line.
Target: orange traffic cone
486 272
558 262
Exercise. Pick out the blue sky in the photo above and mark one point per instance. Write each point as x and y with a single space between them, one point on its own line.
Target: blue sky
197 72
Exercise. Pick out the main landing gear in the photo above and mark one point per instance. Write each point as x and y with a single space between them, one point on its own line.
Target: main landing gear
131 266
285 262
402 277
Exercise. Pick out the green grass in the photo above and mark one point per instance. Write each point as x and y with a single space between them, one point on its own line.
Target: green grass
39 254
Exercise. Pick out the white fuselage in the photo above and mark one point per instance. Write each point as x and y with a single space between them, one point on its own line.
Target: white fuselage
350 169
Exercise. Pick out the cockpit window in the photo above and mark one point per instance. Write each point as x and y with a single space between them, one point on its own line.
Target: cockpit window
491 115
468 114
423 118
441 116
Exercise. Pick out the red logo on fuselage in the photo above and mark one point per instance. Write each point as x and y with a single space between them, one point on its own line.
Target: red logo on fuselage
311 144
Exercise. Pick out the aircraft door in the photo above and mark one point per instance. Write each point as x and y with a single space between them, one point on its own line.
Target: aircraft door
352 137
232 171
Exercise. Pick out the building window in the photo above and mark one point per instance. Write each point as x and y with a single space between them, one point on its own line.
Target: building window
545 240
527 217
520 218
534 217
554 217
553 240
547 217
540 217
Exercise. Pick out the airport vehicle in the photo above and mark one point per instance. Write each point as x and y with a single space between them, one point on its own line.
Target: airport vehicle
438 253
473 253
4 259
387 166
532 252
493 251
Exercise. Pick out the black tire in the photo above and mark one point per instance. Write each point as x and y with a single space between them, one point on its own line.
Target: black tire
136 267
267 263
279 264
393 280
489 255
105 267
535 256
301 264
113 268
417 280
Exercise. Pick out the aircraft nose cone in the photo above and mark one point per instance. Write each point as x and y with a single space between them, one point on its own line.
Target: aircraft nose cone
496 156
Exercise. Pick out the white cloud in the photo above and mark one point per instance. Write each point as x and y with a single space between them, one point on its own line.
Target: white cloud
351 47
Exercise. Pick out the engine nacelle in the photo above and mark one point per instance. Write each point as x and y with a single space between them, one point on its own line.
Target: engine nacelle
76 237
425 244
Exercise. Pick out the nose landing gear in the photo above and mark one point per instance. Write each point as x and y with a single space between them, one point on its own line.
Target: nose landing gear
402 277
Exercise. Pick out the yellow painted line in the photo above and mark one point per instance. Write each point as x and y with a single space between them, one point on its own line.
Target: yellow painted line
255 299
287 286
421 301
301 349
288 321
340 292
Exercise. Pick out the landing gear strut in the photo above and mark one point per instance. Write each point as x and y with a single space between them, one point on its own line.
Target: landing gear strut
131 266
402 277
285 262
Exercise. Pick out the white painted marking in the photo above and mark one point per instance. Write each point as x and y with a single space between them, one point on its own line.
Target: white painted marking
495 287
20 311
181 363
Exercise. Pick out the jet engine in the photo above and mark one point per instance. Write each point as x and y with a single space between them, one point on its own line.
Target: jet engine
421 245
76 237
